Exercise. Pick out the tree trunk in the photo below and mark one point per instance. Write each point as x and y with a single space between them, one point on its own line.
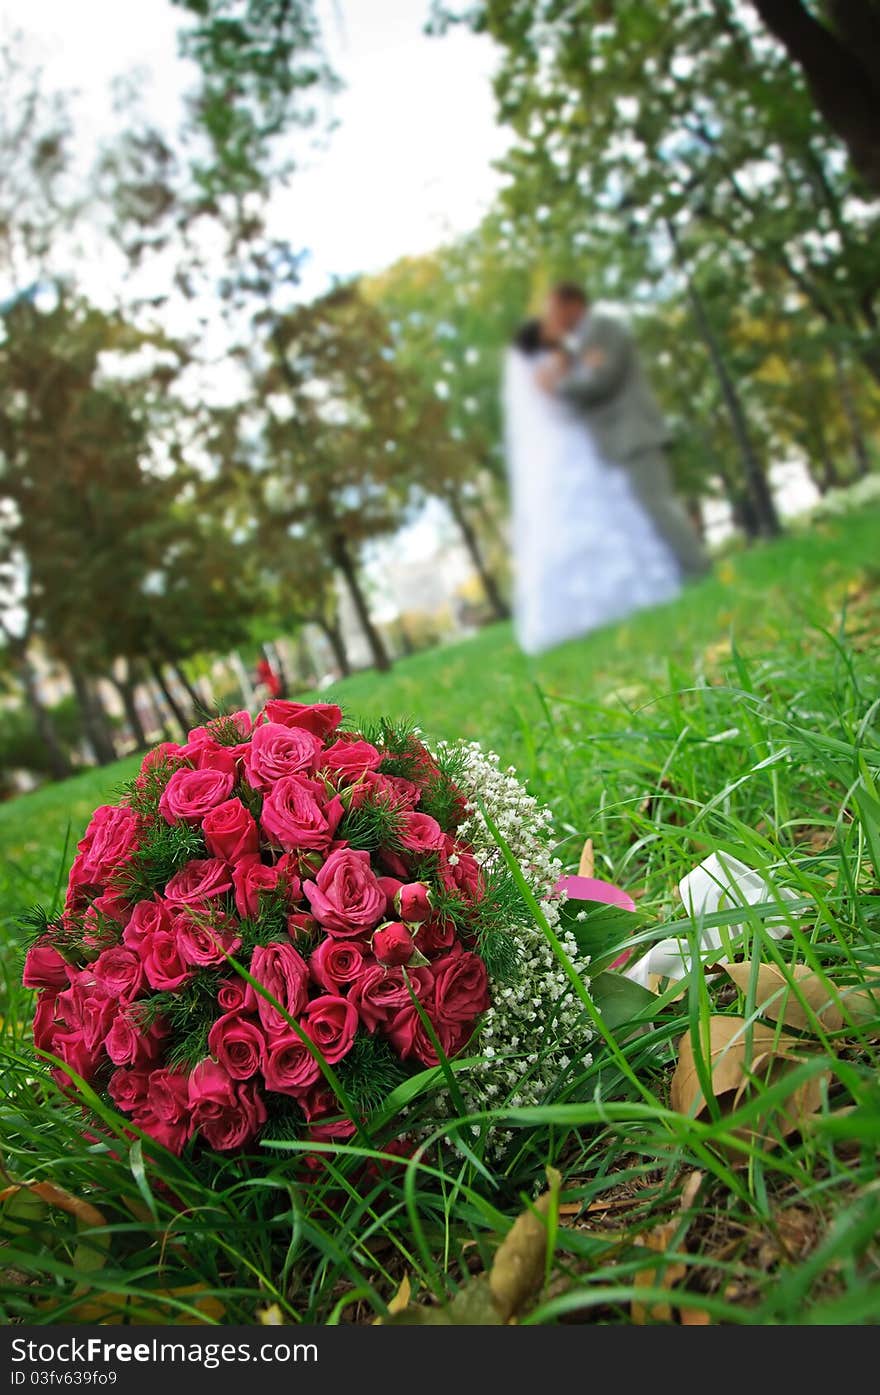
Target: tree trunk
500 608
333 631
838 72
766 517
279 669
59 764
95 723
164 688
127 690
853 418
198 702
342 558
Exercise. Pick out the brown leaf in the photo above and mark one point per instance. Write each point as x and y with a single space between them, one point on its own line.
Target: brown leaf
86 1214
148 1309
587 864
518 1268
663 1276
776 998
735 1063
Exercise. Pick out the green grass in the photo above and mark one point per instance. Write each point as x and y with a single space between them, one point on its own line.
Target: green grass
742 718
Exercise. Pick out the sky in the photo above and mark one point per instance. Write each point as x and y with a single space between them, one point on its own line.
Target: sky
410 160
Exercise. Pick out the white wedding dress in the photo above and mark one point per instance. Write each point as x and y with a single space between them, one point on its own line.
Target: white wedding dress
585 552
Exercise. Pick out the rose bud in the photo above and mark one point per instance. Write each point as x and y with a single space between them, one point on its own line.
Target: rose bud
393 944
414 903
301 927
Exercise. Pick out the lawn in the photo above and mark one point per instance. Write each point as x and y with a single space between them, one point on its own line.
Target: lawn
741 718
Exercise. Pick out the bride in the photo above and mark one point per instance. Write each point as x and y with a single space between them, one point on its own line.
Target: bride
585 551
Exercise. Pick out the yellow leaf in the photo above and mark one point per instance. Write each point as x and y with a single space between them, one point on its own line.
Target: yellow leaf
666 1275
271 1316
518 1268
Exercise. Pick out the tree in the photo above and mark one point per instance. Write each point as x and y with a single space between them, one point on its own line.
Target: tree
839 55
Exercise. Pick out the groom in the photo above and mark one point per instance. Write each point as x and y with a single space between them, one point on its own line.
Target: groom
596 369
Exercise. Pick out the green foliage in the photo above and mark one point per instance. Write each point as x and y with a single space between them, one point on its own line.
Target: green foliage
369 1072
163 848
269 924
376 823
189 1012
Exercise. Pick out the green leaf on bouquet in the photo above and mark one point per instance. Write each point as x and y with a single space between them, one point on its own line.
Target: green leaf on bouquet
619 999
602 933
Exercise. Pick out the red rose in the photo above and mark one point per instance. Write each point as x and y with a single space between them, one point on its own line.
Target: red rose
409 1036
107 844
331 1023
44 967
320 718
461 988
295 815
165 1114
120 972
231 831
351 757
421 833
45 1025
413 903
163 965
128 1088
385 790
332 1130
166 751
436 934
345 896
201 880
460 872
226 1113
191 794
288 1066
335 964
128 1044
106 907
146 918
277 751
236 995
393 944
71 1048
238 1045
283 972
379 994
390 886
203 943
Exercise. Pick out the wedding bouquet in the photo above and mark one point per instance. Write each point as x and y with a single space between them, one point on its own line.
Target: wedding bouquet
281 920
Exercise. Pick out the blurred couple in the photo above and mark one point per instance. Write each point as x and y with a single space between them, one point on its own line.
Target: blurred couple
597 529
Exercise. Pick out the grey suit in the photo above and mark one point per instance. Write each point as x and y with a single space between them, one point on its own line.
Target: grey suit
621 413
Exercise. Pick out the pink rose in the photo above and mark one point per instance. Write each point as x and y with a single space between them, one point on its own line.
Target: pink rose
86 1006
335 964
414 902
461 988
251 877
277 751
120 972
283 972
393 944
385 790
202 942
163 965
44 967
379 994
102 917
437 934
71 1048
165 752
231 831
320 718
331 1023
45 1026
201 880
191 794
301 927
226 1113
165 1113
128 1044
351 757
236 995
345 896
295 815
146 918
422 834
108 842
238 1045
289 1068
128 1089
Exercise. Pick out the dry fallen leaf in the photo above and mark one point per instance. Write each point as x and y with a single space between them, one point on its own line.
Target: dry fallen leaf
271 1316
518 1268
740 1053
777 999
668 1275
587 864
